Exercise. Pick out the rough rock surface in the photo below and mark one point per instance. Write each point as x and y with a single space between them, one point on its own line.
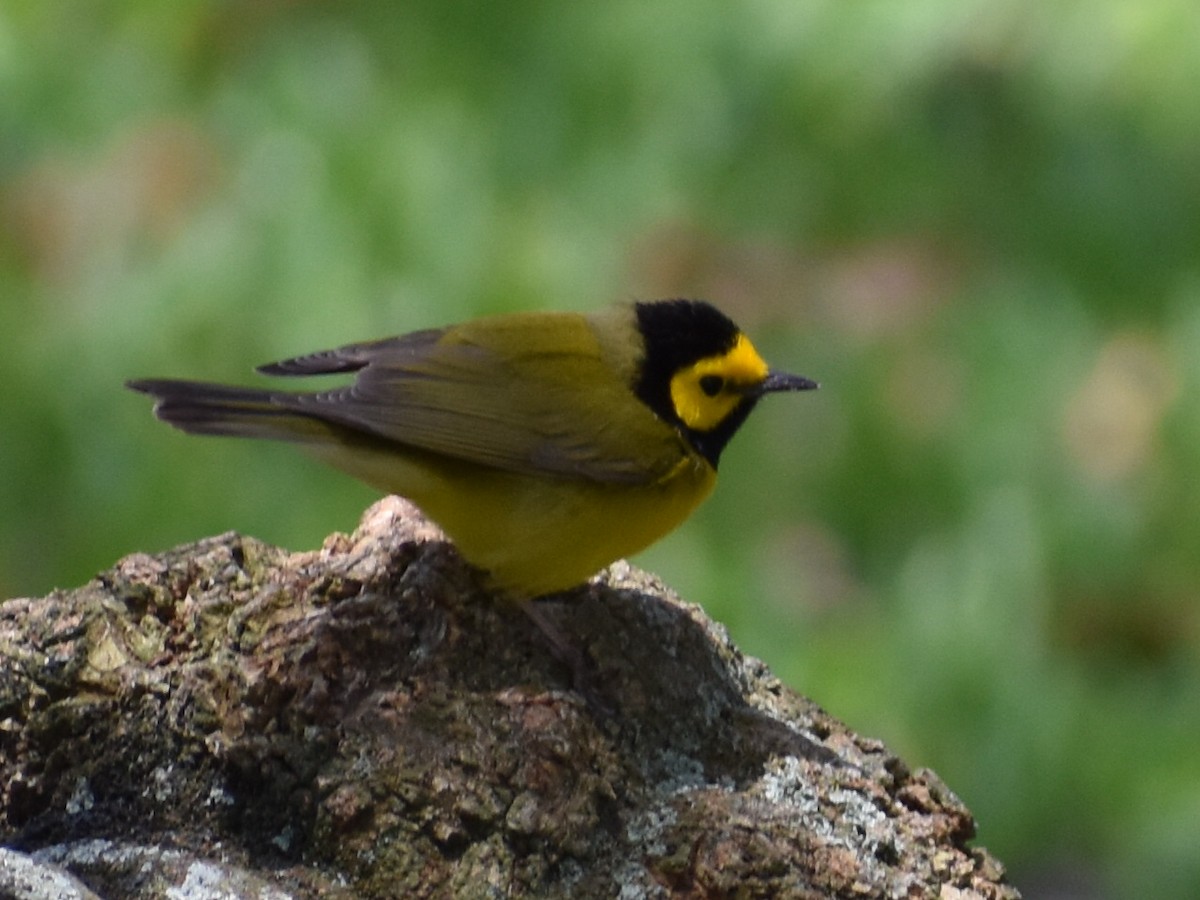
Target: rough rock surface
230 719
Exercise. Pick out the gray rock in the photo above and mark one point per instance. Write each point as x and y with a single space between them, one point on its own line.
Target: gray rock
366 720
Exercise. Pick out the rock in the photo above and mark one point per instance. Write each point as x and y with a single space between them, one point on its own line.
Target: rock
230 719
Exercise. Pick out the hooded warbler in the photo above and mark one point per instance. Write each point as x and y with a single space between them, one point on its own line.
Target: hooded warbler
546 445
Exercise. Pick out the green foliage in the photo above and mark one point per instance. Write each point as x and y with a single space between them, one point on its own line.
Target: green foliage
978 224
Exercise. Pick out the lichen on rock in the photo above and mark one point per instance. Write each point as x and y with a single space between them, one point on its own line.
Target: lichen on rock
366 720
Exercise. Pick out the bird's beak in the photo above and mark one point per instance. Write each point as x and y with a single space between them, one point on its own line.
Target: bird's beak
782 381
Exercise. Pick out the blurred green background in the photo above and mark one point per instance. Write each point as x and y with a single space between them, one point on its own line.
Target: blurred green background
976 223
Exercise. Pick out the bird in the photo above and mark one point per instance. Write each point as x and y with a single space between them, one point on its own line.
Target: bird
546 445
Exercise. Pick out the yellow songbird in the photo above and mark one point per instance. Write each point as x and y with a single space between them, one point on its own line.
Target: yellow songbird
546 445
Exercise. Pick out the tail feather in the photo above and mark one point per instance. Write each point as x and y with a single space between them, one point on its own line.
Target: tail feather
200 408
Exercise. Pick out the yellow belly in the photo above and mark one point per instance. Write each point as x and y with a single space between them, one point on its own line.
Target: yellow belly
535 535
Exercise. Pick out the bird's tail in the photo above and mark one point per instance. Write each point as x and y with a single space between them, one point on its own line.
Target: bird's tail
200 408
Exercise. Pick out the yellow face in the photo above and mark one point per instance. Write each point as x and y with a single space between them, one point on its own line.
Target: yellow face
708 390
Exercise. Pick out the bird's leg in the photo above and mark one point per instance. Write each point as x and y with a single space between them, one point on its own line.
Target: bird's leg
563 649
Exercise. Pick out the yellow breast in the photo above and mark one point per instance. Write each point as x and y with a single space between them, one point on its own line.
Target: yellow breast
538 535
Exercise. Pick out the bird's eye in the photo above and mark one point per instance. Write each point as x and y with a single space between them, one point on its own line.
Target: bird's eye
712 384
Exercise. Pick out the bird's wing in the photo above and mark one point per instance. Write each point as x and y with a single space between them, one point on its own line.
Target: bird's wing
530 393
